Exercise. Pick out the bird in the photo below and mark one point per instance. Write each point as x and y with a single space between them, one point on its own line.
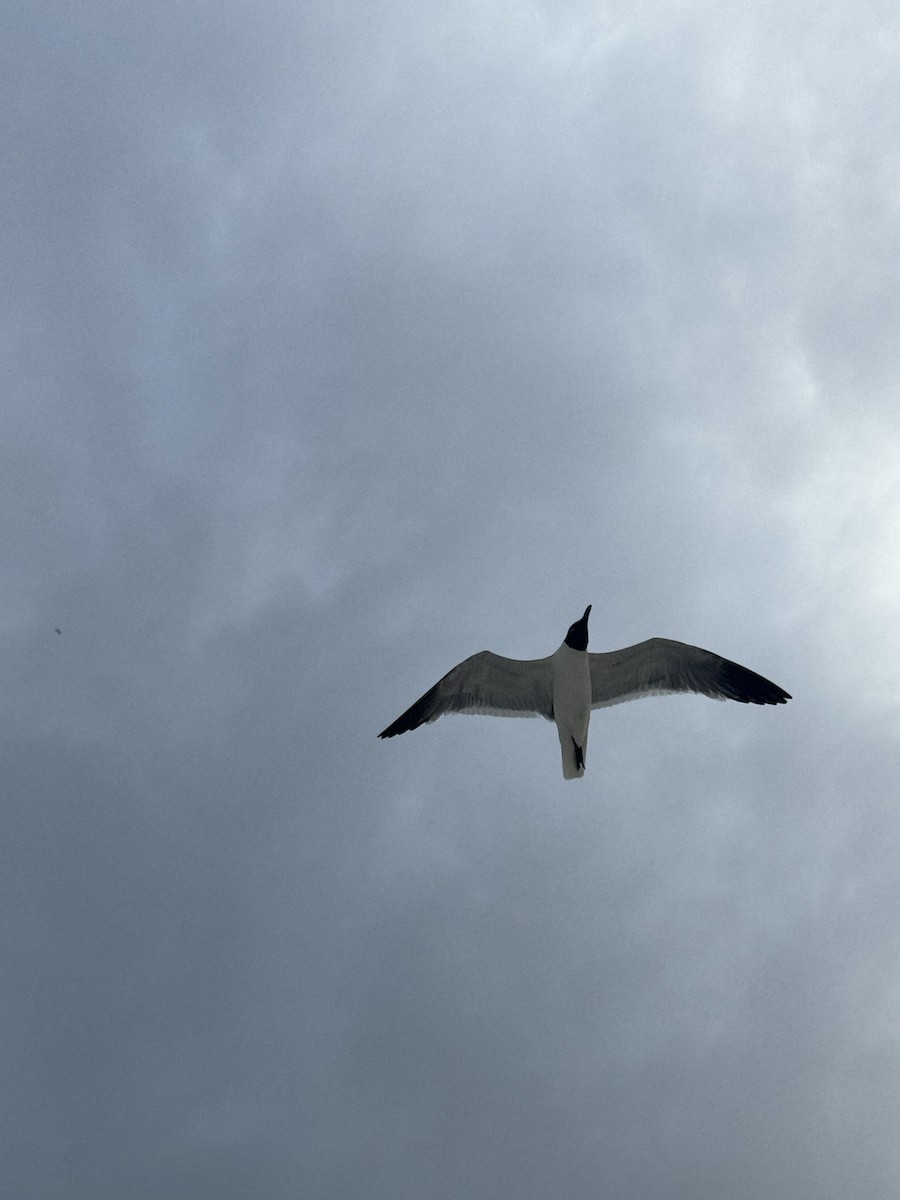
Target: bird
568 684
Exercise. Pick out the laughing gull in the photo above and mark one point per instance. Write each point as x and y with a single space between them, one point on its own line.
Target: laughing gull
567 685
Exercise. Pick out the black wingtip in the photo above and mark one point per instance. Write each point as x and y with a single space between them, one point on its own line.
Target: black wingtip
417 714
395 728
770 693
747 687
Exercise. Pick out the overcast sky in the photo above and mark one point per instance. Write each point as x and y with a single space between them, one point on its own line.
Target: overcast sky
341 341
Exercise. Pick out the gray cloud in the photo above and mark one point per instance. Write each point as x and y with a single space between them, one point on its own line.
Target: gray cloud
338 347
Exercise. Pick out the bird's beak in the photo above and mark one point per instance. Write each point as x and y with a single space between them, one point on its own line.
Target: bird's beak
586 611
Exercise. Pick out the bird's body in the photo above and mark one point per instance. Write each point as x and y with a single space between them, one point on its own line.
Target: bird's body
565 686
572 707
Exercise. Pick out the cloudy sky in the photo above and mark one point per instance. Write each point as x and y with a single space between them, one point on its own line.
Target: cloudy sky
341 341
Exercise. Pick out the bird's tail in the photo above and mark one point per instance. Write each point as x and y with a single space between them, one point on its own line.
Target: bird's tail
572 758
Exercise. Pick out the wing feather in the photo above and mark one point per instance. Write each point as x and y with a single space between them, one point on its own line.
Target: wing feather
485 683
660 666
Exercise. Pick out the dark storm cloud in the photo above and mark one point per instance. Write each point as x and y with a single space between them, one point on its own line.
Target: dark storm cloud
338 346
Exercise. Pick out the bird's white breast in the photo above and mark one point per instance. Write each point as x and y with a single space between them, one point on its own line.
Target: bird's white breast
571 691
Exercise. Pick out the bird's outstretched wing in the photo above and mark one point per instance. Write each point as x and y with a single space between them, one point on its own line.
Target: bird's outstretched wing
660 665
485 683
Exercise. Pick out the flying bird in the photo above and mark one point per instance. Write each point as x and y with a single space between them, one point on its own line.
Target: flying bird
565 686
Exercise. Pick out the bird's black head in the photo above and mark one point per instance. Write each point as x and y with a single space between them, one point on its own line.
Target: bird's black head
577 637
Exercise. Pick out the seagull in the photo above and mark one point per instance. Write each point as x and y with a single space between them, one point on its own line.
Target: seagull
565 686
